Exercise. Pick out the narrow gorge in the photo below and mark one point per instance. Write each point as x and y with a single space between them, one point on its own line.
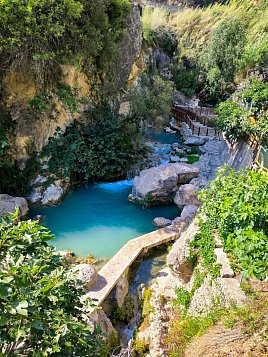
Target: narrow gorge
134 178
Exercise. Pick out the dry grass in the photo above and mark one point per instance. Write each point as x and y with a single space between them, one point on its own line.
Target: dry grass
194 26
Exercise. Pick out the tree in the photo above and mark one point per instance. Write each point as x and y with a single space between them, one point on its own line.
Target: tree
223 57
40 307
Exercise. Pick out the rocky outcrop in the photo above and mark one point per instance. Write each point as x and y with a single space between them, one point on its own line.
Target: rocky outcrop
85 274
186 195
158 183
222 291
121 290
99 318
9 204
161 222
45 194
178 258
196 140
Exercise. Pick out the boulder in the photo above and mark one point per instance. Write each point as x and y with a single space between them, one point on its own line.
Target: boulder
55 192
186 195
196 140
178 258
158 183
174 158
99 318
161 222
86 274
169 130
8 204
121 290
188 212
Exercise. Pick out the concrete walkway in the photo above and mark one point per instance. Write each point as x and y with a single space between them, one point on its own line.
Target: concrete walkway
115 268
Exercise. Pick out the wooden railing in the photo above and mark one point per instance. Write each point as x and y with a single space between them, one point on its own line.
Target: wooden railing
189 117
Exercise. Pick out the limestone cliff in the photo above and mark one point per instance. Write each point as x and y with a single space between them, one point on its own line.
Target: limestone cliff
20 93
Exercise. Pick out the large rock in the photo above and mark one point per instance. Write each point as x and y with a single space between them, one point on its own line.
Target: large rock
49 195
186 195
86 274
196 140
178 258
121 290
161 222
188 212
8 204
157 183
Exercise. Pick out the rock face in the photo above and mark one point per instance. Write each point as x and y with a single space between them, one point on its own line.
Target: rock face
121 290
178 258
86 274
8 204
157 183
51 194
186 195
99 318
161 222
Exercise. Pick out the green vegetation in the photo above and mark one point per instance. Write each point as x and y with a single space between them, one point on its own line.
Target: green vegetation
223 57
222 42
204 242
68 97
187 81
40 102
48 32
236 120
103 149
251 319
147 308
192 159
40 298
125 312
236 205
153 99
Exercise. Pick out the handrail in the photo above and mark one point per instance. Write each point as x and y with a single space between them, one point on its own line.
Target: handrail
189 117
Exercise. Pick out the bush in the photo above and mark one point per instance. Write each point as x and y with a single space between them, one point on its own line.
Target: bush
41 311
48 32
223 57
152 99
103 149
187 81
238 121
236 204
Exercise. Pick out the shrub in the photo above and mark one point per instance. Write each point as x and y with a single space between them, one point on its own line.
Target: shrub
103 149
48 32
187 81
234 117
153 99
236 204
191 159
223 57
41 311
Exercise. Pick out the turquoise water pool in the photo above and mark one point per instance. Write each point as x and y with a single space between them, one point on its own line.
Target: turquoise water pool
98 219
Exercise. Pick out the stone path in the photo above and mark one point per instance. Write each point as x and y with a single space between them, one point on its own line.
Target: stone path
115 268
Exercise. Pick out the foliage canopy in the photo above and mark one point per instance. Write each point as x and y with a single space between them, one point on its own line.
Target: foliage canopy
41 311
236 204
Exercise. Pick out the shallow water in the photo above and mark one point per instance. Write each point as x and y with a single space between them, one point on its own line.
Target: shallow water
162 137
98 219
